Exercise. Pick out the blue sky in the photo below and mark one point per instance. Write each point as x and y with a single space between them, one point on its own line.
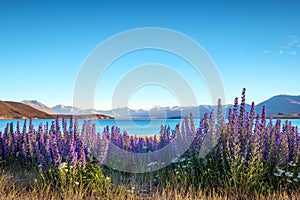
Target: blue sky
254 44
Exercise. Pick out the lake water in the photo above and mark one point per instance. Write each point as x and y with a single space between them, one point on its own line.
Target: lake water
134 127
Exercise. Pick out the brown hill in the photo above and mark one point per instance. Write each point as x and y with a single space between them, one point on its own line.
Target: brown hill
15 110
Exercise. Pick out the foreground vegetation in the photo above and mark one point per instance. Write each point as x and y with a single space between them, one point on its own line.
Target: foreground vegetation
251 158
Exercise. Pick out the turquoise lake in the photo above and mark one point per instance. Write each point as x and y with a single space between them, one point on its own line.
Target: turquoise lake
133 127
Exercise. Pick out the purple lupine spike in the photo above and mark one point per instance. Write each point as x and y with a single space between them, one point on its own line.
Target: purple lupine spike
81 155
71 124
24 155
40 135
140 145
263 116
135 142
154 144
192 124
94 134
46 131
220 118
18 137
24 127
243 107
149 144
103 149
113 135
5 150
1 145
256 143
28 144
76 128
125 140
12 138
162 137
55 150
37 158
52 128
57 127
199 135
242 119
212 123
278 138
64 124
295 144
167 134
210 138
72 155
131 144
48 151
266 142
235 109
298 144
230 116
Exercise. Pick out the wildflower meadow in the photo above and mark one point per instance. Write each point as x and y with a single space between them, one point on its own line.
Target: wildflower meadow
249 156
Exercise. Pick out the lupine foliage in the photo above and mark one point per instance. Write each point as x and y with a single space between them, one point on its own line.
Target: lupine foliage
249 151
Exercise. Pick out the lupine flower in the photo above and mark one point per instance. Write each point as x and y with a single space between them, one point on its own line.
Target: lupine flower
62 165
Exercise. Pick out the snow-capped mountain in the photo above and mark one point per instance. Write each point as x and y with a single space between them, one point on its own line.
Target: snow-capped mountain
38 105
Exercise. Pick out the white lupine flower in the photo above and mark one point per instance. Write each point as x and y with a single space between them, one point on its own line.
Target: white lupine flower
62 165
151 164
280 171
177 172
296 180
288 180
277 174
289 174
292 164
40 166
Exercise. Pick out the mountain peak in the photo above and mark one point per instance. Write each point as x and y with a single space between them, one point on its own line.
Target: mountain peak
38 105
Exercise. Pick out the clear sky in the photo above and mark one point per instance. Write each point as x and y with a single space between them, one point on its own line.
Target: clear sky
254 44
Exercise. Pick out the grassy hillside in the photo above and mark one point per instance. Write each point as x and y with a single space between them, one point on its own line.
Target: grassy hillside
15 110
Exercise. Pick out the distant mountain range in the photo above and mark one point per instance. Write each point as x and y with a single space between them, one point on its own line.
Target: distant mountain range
36 110
277 106
281 104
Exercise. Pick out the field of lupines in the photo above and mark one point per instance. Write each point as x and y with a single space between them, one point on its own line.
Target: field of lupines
251 155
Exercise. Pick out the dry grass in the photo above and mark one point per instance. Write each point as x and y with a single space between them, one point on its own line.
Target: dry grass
12 187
